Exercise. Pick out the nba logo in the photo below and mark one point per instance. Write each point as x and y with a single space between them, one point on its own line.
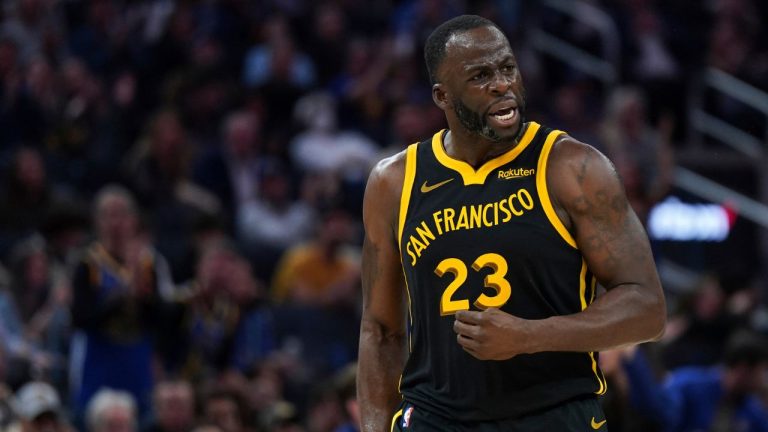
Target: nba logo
407 417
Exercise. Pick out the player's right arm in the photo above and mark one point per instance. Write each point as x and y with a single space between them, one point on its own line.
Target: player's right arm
382 329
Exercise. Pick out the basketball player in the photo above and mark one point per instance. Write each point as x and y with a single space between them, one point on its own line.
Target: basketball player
483 248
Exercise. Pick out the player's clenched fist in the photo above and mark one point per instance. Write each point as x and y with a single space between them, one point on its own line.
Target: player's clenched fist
492 334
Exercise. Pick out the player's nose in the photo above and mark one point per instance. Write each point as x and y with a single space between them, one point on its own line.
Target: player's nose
501 83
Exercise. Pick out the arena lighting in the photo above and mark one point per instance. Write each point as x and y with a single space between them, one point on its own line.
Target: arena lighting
675 220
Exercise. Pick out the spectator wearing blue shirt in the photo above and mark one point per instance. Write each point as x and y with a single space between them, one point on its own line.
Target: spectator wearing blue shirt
718 398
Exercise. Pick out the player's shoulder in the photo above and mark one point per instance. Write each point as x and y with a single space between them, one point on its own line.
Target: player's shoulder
568 149
390 166
577 173
385 186
390 171
571 156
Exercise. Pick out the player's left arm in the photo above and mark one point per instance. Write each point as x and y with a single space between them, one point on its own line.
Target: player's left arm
590 201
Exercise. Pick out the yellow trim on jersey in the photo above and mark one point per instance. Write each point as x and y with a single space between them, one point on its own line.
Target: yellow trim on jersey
405 195
583 284
603 385
394 419
583 298
604 381
541 186
410 316
405 199
468 173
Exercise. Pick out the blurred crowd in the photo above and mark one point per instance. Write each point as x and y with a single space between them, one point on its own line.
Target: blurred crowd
180 223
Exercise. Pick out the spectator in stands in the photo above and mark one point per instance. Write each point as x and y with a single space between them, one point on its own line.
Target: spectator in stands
228 326
157 166
322 272
733 49
324 411
117 305
316 288
75 133
35 315
270 225
34 285
720 398
212 314
32 25
283 417
322 147
121 124
224 408
328 41
650 58
112 411
232 169
278 70
346 387
39 409
10 79
411 122
265 389
576 112
736 26
696 334
19 356
238 290
173 407
255 338
619 411
641 153
30 101
278 58
157 171
26 196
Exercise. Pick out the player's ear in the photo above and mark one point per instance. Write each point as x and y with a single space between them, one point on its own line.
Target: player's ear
440 96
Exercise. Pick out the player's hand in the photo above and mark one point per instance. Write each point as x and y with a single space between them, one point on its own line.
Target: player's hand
491 334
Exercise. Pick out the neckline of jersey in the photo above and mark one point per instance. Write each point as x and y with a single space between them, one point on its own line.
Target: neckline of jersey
469 175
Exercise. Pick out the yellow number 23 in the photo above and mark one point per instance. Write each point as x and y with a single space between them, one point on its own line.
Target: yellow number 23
495 280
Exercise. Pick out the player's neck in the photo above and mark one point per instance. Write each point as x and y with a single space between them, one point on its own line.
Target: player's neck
475 150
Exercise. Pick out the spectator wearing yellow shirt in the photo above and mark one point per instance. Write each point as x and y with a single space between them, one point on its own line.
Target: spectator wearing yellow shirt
322 272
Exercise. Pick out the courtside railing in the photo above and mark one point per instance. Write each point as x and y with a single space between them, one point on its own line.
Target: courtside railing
603 67
755 149
706 124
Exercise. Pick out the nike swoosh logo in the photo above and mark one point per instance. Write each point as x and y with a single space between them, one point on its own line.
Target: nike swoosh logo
597 425
425 188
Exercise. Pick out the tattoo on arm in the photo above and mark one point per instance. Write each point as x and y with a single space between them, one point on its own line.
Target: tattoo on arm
581 175
606 214
614 232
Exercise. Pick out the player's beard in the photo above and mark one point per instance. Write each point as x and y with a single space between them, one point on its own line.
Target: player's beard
477 123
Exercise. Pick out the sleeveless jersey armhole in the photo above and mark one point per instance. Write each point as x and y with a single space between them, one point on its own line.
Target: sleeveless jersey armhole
541 187
405 196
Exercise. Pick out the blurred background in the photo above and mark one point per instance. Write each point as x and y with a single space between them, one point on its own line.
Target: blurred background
182 180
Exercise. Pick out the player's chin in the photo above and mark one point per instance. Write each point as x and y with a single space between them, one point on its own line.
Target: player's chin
503 135
504 131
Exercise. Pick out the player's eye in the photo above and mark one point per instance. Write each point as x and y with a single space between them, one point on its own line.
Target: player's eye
478 76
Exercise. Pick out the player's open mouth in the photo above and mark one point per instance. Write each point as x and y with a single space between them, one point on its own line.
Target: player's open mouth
505 116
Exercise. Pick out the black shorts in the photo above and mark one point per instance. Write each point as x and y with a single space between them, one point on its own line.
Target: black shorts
582 415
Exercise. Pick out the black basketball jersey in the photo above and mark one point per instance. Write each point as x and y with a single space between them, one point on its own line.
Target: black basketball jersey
479 238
